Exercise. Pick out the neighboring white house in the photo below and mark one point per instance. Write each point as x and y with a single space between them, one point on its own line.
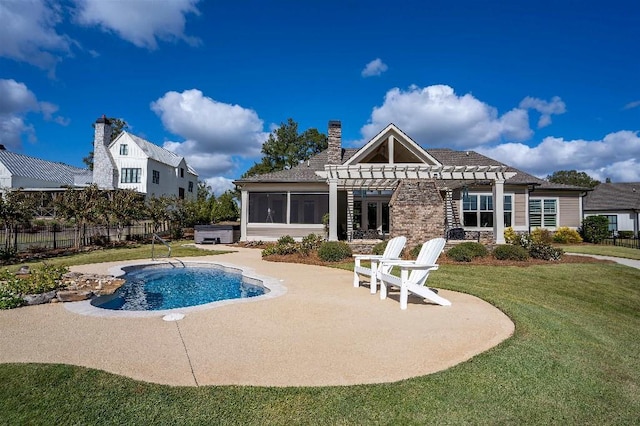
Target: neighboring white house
619 202
130 162
23 171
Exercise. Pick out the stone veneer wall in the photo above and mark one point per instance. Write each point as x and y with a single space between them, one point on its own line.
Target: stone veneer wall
334 143
417 211
105 172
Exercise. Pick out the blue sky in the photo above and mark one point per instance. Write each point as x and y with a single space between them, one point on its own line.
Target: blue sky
542 86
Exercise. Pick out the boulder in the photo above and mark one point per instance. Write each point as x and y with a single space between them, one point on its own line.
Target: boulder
38 299
74 295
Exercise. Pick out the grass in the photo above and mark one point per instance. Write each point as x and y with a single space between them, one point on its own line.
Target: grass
604 250
179 249
573 360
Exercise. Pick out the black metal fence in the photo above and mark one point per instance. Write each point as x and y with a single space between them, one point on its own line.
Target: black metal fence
623 242
39 238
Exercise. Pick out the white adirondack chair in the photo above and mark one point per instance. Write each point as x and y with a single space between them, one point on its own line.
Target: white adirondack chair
413 274
391 252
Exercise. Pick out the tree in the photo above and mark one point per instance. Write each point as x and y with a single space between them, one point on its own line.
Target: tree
286 148
118 125
225 208
16 207
573 177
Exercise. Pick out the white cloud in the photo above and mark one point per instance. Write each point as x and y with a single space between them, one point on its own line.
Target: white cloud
632 105
373 68
615 156
219 185
215 133
435 117
142 23
16 101
29 35
546 109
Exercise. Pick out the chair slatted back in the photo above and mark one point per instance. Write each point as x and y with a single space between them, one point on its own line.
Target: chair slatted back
428 255
393 251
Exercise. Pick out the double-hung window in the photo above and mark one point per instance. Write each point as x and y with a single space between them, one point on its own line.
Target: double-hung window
543 212
130 175
156 177
124 149
477 210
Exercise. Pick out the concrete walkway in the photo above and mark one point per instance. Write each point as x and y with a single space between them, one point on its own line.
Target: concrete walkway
322 331
621 260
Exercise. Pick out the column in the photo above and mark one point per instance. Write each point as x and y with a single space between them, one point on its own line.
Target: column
498 211
333 210
244 214
349 214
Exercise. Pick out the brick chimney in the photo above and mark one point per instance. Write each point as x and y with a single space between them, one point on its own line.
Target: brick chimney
334 149
105 172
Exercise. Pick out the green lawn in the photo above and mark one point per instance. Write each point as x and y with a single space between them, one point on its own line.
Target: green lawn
573 360
603 250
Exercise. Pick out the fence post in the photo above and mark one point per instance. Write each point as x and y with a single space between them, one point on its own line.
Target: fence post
15 238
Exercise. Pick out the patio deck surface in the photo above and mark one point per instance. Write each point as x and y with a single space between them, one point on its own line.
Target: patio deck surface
322 331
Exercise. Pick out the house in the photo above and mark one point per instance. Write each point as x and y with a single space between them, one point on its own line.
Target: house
619 202
23 171
130 162
392 186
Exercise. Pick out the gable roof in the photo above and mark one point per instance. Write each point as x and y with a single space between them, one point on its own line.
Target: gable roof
154 151
614 196
36 168
383 138
306 171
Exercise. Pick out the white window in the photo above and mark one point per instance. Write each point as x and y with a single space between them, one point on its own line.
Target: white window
130 175
477 210
124 149
543 212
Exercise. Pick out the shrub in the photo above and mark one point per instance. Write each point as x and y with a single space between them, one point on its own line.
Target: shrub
269 250
510 236
625 234
565 235
333 251
541 236
595 229
286 239
311 243
545 252
40 280
510 252
379 248
466 252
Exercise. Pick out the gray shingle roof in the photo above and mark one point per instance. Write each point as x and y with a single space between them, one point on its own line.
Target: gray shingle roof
614 196
305 172
36 168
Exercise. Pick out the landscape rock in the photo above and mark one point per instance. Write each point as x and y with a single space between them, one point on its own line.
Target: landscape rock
38 299
74 295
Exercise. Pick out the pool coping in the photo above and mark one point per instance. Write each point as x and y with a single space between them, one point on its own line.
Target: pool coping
276 289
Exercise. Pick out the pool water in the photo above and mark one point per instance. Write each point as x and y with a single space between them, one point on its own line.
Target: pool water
158 288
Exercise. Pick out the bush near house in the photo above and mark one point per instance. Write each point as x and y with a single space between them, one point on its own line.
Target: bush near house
595 229
541 236
565 235
333 251
510 252
379 248
466 252
625 234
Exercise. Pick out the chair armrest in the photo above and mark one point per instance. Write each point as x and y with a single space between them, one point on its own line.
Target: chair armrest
368 256
407 264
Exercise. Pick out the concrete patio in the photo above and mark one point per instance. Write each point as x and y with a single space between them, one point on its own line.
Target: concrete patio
322 331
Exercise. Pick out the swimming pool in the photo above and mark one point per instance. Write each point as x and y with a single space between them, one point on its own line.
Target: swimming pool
156 287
